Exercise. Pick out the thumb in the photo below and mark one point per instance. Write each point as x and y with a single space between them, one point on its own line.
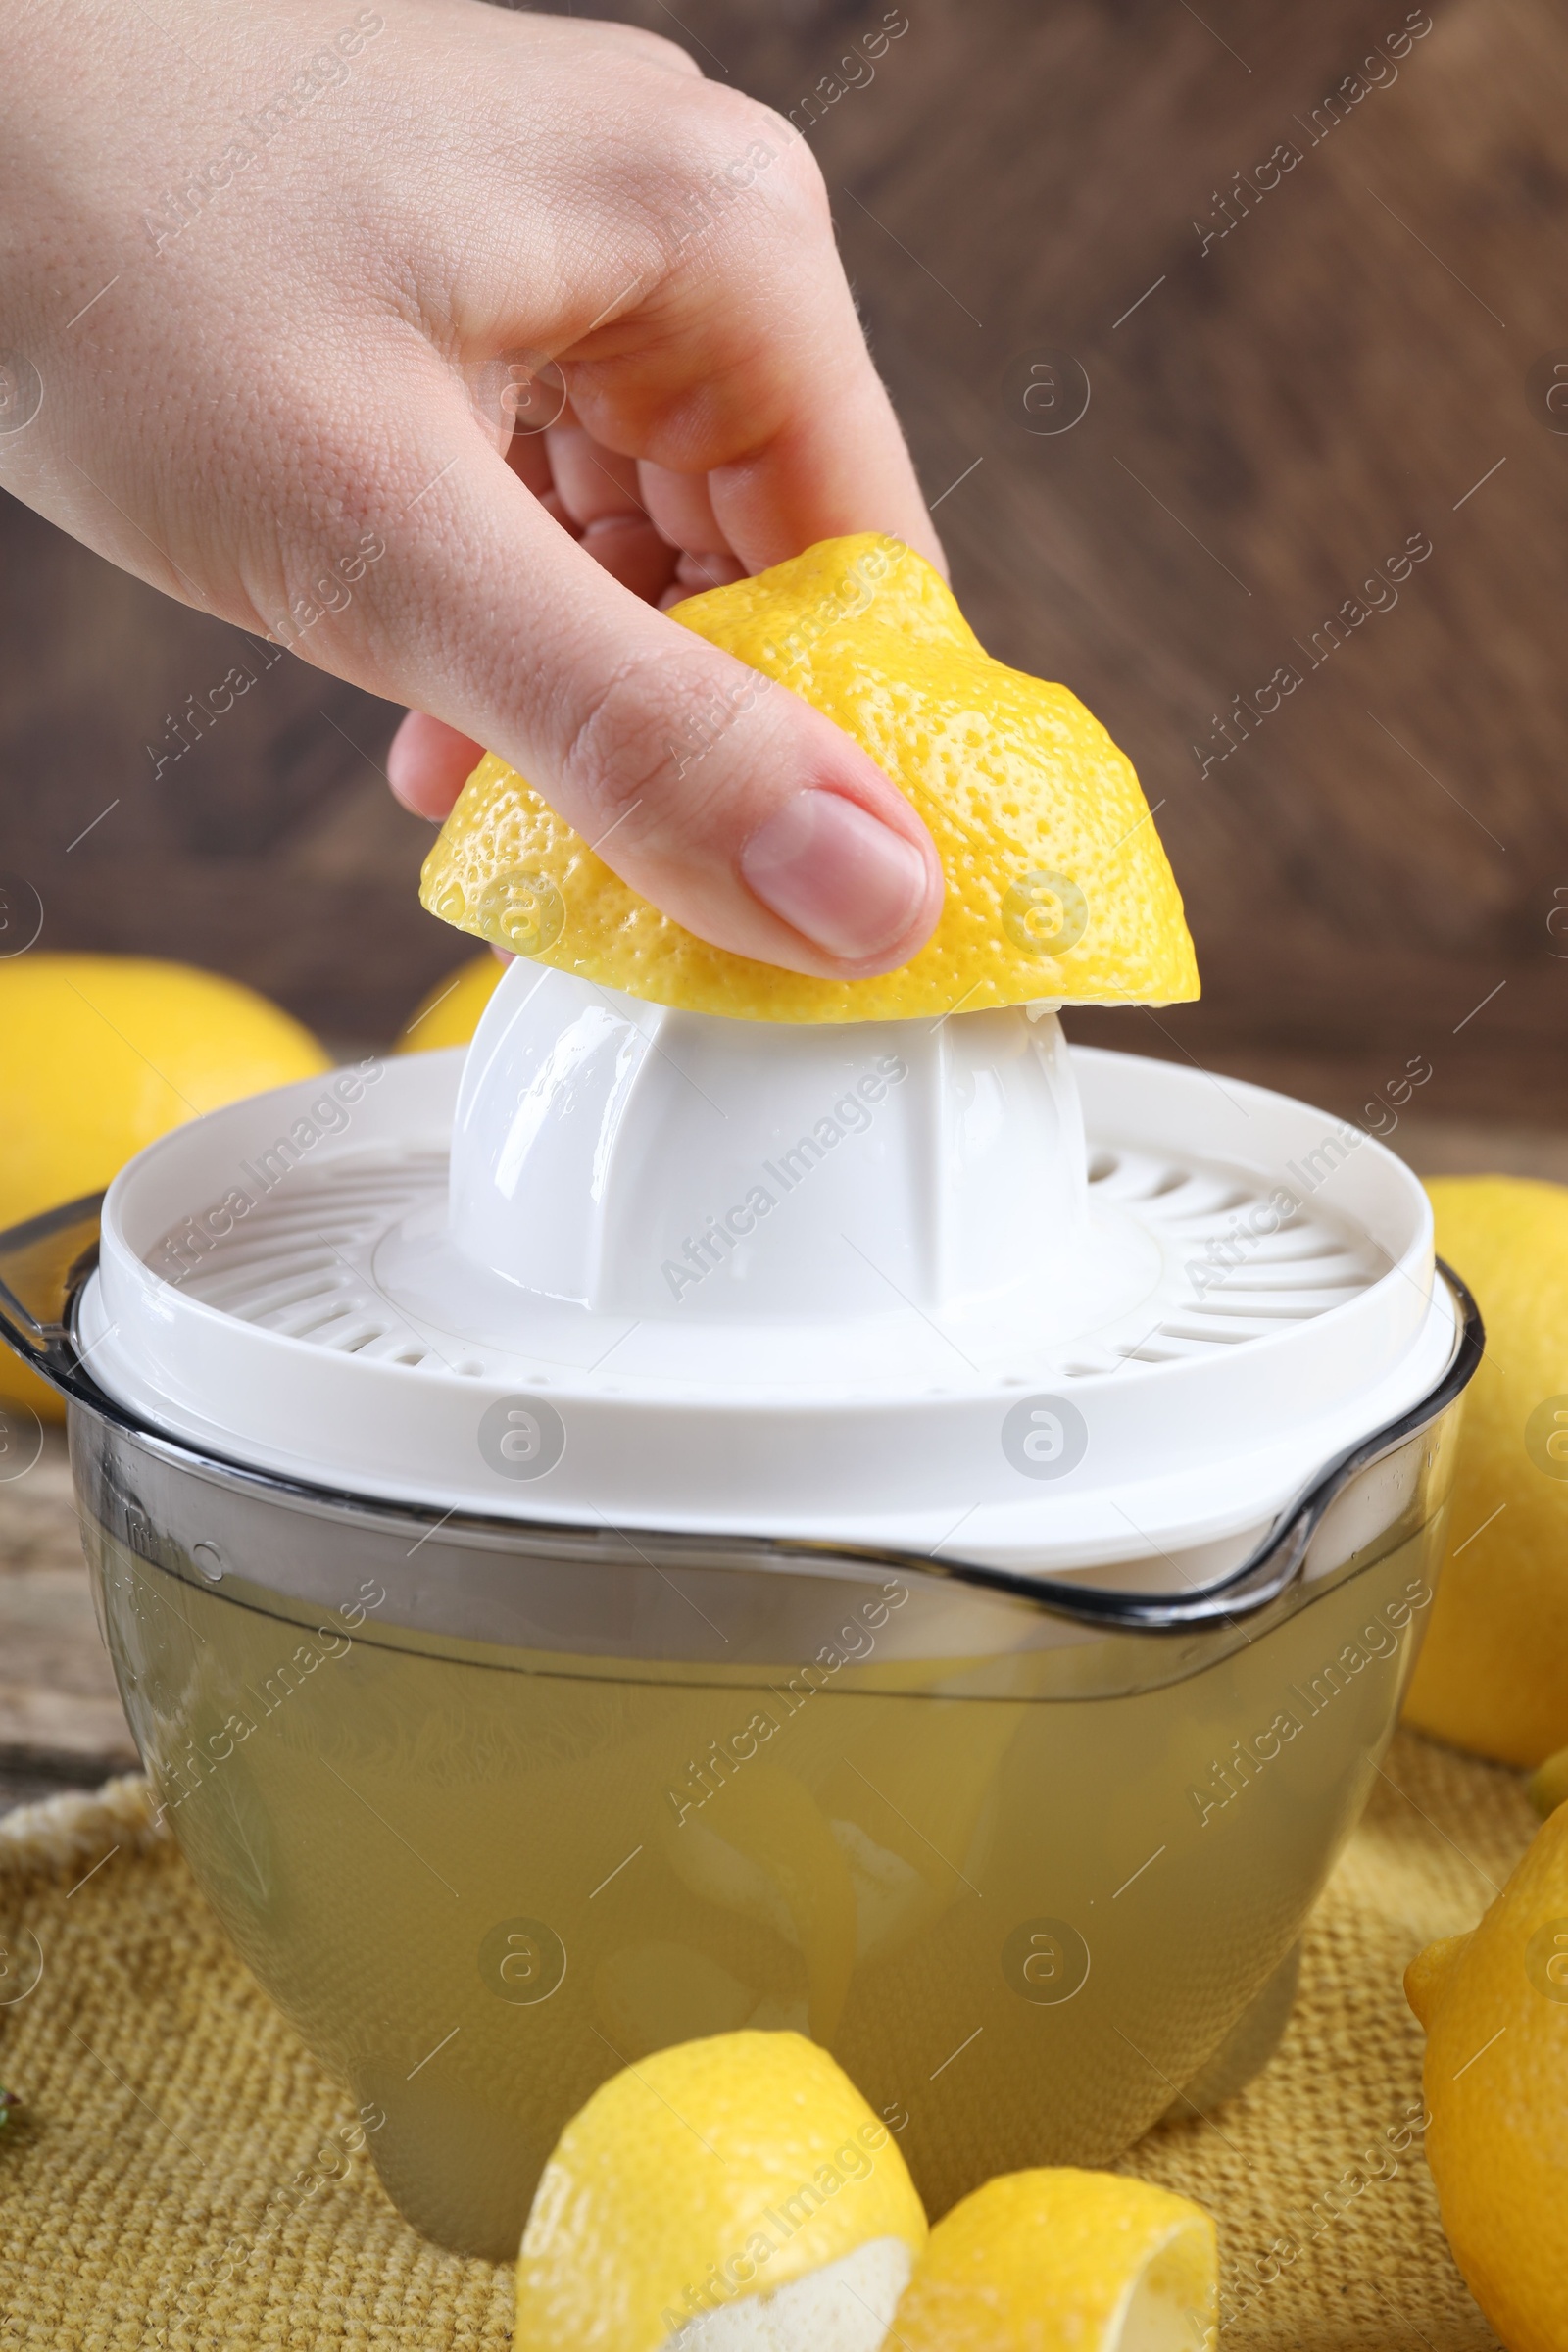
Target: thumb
719 794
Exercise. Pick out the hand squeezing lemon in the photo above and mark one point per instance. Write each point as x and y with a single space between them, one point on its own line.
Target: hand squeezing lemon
1057 883
738 2196
738 2192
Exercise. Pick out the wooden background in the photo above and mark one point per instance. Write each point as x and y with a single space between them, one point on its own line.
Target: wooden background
1285 409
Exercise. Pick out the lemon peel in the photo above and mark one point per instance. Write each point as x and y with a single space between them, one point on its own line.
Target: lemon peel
1494 2006
1057 885
732 2192
1065 2261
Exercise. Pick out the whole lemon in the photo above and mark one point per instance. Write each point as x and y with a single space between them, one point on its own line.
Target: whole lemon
104 1053
449 1014
1493 1673
735 2191
1495 2005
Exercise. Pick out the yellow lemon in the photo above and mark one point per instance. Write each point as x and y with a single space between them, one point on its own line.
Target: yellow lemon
1065 2261
1495 2005
450 1013
1057 886
1493 1673
104 1053
739 2187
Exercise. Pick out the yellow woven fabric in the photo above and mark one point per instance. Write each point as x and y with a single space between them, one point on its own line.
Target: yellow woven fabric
167 2183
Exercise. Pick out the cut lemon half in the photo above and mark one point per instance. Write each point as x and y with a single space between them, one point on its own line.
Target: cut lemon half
1058 888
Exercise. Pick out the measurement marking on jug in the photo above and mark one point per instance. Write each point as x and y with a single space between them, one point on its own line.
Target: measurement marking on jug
615 1873
435 2053
1139 1871
908 1825
1480 2053
153 1593
958 2053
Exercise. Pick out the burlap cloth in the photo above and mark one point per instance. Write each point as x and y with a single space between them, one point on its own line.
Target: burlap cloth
165 2187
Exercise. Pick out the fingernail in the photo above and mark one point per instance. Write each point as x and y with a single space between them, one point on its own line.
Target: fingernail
836 873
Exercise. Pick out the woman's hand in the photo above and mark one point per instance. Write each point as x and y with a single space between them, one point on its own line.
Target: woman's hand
534 310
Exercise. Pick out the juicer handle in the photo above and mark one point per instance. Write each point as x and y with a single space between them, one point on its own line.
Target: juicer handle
44 1263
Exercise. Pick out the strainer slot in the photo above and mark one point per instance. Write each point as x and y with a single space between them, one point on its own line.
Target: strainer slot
353 1342
319 1323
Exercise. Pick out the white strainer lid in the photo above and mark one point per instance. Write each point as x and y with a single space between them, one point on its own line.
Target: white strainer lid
865 1283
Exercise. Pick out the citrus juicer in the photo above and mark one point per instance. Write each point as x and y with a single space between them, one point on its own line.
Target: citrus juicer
902 1529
